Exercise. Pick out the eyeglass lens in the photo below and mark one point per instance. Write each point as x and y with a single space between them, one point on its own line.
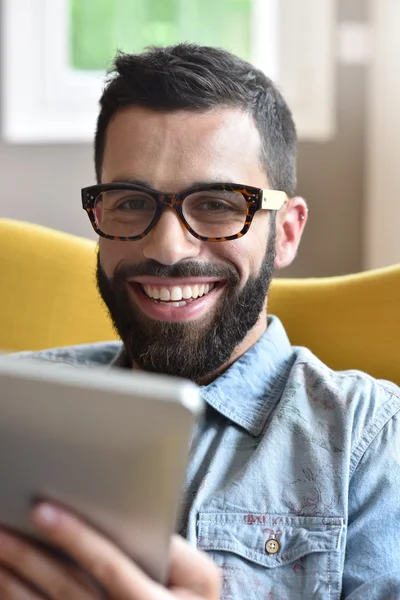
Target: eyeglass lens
210 213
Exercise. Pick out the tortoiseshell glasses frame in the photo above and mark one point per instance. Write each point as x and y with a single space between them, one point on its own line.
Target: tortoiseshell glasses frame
256 199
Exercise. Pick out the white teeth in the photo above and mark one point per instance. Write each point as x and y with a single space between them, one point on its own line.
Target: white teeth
165 294
177 304
186 292
175 295
154 292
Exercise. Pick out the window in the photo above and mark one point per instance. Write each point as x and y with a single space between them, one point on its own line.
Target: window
55 53
98 27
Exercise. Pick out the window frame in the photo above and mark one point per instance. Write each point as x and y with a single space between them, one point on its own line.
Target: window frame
45 101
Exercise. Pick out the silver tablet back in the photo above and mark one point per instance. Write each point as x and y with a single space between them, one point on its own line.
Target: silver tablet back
111 445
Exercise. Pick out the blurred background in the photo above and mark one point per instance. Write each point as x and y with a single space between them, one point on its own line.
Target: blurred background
336 61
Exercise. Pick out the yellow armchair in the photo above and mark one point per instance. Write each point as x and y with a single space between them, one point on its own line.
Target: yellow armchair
48 298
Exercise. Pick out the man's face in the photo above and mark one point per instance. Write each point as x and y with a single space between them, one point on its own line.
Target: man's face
223 284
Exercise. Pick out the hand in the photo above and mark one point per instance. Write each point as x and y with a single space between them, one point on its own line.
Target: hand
27 573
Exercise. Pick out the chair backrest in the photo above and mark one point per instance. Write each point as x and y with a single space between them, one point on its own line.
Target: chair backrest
48 295
48 298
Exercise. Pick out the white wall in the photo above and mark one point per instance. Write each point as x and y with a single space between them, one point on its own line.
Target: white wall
382 211
42 183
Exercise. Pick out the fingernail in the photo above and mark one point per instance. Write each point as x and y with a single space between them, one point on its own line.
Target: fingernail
45 514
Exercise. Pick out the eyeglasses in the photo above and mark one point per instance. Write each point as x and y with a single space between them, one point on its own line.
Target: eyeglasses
212 213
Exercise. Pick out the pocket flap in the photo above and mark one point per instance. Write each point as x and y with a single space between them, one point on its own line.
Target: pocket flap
247 535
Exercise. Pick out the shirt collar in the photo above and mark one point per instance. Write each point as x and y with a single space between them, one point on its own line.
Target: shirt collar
121 359
248 391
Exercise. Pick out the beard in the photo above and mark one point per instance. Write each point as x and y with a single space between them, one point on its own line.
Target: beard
193 349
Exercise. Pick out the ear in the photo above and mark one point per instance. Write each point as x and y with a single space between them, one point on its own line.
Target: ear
290 223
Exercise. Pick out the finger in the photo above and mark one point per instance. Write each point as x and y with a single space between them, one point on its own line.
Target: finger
39 569
117 574
13 589
192 570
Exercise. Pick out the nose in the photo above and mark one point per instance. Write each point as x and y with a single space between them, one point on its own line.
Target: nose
169 241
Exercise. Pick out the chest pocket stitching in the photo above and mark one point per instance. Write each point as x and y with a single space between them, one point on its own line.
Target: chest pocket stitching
267 561
212 540
229 518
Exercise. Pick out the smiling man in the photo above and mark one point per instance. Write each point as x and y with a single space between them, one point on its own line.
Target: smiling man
294 474
185 301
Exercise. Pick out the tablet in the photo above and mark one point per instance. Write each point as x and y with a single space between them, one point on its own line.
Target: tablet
108 443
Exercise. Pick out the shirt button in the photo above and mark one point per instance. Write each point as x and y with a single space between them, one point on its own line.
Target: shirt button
272 546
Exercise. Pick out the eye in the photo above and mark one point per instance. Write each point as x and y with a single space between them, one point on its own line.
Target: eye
214 204
134 203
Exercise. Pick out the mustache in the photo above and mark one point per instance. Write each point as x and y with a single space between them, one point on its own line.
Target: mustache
188 268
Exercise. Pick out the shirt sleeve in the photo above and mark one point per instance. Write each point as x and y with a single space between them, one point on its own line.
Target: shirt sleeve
371 568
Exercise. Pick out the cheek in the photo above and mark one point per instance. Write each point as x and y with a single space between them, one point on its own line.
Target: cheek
257 255
247 253
241 255
113 253
257 241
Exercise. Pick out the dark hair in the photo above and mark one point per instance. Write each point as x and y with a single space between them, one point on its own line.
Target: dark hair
188 76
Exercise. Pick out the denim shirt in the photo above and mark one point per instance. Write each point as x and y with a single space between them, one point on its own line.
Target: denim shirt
293 480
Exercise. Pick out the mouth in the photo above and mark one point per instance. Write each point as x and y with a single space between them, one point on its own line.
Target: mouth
175 301
176 295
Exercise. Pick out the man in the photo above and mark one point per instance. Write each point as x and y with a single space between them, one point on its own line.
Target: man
294 476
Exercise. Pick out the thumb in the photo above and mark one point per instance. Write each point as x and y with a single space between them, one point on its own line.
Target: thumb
192 574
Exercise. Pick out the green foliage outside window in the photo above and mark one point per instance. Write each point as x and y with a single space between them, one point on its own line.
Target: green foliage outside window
100 27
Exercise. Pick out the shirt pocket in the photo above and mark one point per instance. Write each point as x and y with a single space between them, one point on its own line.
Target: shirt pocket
274 557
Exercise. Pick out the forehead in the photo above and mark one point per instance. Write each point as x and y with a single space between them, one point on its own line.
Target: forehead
171 150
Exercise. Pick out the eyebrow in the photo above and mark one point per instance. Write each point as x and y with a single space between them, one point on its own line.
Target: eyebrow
134 181
145 183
